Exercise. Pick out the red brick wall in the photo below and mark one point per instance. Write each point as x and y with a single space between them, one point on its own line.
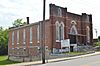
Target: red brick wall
66 18
48 34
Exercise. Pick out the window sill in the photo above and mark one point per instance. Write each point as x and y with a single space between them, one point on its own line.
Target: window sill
58 41
31 42
17 43
24 42
12 43
38 41
17 47
12 48
24 48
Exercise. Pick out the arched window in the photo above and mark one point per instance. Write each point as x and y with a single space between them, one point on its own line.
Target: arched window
30 35
59 12
57 30
24 36
18 37
13 38
73 30
88 34
61 31
38 33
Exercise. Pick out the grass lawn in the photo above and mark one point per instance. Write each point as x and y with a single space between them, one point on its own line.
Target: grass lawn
74 52
97 43
4 61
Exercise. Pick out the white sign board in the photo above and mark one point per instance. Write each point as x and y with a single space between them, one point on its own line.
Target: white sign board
65 43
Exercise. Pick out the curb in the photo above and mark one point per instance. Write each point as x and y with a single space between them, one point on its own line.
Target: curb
75 57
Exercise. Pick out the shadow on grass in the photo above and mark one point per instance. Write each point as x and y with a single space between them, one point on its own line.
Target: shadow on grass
5 62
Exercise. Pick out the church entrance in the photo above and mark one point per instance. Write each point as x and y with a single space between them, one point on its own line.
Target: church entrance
71 48
73 36
72 39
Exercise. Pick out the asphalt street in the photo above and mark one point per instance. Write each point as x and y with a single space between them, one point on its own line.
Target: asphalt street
85 61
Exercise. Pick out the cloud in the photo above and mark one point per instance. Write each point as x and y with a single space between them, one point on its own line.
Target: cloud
13 9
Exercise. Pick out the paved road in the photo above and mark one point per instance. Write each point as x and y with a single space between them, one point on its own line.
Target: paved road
86 61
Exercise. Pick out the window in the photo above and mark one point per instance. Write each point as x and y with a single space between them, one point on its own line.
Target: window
73 29
61 31
87 18
73 33
30 34
24 36
57 30
88 34
18 37
59 12
38 33
13 38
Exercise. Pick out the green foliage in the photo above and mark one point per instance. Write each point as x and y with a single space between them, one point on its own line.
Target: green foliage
98 38
74 52
3 41
4 61
97 43
18 22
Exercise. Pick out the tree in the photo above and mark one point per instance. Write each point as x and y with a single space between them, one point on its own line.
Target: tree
98 38
4 37
18 22
3 41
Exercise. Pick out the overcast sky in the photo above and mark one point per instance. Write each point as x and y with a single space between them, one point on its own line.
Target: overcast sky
11 10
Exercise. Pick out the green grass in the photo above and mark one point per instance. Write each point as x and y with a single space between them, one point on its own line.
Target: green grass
97 44
4 61
74 52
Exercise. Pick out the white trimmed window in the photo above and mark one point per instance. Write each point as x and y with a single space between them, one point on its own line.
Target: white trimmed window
30 35
59 12
88 34
73 29
13 38
61 31
24 36
18 37
57 31
38 33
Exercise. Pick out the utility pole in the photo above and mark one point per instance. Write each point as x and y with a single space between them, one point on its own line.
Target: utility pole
42 25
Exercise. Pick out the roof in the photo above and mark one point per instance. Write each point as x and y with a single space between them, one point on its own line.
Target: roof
27 25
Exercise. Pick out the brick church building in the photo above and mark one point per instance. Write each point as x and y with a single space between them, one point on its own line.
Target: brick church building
24 41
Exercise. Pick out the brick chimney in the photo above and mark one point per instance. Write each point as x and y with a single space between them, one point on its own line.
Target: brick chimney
27 20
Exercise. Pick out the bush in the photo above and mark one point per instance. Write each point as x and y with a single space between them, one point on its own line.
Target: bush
3 41
97 43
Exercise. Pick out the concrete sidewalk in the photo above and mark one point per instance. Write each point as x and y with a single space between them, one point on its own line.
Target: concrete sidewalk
52 60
